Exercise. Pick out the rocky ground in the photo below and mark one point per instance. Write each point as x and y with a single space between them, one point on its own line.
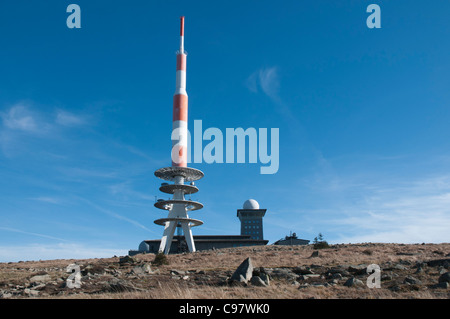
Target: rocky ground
281 272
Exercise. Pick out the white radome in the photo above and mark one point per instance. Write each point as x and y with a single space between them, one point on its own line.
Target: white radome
251 204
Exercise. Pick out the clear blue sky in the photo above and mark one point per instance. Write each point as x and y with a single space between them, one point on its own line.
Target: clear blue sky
85 120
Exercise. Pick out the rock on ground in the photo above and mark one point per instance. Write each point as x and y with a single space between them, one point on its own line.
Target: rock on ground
244 272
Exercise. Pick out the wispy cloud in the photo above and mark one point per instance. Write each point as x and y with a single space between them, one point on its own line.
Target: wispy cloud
267 80
31 233
20 118
69 119
125 189
22 124
23 117
416 212
115 215
46 199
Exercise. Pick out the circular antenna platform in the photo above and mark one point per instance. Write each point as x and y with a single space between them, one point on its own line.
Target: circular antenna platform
169 173
170 188
190 204
192 222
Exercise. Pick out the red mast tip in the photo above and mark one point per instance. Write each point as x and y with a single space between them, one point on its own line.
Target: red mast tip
182 26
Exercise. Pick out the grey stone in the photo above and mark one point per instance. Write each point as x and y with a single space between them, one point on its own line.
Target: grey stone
257 281
5 295
142 269
352 282
177 272
443 284
358 269
283 273
444 277
40 278
302 270
37 287
31 292
265 277
306 277
244 272
340 271
303 286
127 259
315 253
385 277
336 276
439 262
412 281
400 267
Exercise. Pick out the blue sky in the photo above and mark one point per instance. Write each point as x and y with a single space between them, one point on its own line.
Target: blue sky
85 120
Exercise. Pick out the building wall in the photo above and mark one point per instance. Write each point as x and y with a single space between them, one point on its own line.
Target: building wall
210 242
251 234
252 222
292 241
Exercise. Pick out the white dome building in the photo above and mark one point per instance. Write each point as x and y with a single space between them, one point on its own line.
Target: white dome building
251 204
251 217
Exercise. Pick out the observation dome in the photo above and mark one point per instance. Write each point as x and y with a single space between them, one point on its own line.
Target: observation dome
251 204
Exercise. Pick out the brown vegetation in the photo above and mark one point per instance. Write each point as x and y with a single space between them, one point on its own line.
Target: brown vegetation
408 271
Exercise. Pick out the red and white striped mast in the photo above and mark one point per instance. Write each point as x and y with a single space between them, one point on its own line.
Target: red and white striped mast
180 107
179 173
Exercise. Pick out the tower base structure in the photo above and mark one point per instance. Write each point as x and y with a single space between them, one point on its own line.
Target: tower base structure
178 206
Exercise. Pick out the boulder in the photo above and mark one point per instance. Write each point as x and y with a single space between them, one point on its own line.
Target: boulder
175 272
30 292
439 262
386 277
353 282
358 269
443 285
302 270
306 277
337 276
127 260
283 273
399 267
444 277
265 278
338 270
412 281
142 269
244 272
257 281
40 278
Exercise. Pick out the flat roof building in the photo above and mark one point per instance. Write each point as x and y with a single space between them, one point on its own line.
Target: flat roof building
251 217
292 240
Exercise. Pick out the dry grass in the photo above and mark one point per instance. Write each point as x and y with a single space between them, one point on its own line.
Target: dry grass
223 262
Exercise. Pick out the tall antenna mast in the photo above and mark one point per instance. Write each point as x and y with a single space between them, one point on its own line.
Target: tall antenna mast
179 173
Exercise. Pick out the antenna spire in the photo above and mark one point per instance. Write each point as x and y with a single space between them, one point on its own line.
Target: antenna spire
182 35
